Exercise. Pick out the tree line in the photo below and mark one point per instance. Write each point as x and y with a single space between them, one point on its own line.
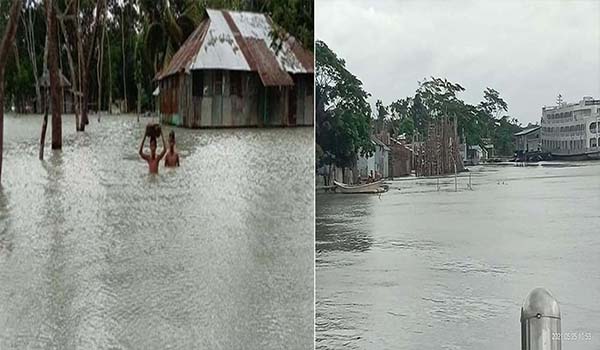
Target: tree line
345 120
108 50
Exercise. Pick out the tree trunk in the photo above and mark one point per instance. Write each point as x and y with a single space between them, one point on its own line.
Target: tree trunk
38 94
99 67
139 98
7 40
30 45
54 78
88 64
79 67
123 51
74 78
109 76
44 127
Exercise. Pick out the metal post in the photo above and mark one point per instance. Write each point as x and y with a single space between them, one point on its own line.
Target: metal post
540 321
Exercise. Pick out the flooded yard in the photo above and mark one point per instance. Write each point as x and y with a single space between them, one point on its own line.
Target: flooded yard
95 253
428 269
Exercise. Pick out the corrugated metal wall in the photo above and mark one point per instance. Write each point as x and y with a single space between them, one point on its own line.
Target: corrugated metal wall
233 99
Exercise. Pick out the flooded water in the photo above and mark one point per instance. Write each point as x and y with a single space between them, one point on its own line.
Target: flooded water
95 253
420 268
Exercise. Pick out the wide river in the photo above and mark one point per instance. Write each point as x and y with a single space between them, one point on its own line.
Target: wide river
95 253
420 268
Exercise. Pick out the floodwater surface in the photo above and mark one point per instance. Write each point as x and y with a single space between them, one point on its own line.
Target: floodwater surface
420 268
95 253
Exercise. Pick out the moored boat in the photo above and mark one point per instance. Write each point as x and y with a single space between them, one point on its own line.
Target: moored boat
373 187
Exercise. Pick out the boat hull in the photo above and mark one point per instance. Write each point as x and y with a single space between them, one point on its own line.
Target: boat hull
580 156
375 187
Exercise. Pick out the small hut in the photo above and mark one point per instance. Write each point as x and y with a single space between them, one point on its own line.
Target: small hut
67 93
230 72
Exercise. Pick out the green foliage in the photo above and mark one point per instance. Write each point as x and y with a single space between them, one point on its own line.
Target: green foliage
436 98
295 17
380 118
343 113
153 30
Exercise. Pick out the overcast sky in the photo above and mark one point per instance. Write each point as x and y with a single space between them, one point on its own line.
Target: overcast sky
530 51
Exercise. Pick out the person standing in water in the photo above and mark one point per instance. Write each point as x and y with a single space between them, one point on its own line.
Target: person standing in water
152 159
172 158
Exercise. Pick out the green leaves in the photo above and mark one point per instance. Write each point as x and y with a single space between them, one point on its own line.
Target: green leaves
437 97
343 113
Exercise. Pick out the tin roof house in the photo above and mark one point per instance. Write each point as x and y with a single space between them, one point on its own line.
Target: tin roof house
378 162
231 73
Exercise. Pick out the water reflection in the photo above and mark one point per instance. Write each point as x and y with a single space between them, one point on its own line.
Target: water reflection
343 223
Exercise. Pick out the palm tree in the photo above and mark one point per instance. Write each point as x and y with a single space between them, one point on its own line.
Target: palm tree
169 26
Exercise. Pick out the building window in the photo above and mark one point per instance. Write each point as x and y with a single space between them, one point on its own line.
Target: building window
593 127
235 83
593 142
197 83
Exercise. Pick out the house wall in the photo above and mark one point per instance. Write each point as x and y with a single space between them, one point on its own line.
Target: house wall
529 142
217 98
365 165
400 161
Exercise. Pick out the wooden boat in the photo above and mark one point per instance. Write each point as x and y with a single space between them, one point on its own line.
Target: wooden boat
373 187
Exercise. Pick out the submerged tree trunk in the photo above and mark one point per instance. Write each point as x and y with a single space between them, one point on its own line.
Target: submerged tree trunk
7 40
54 78
44 127
79 66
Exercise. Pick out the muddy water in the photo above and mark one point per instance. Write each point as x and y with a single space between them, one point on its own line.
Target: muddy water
427 269
97 254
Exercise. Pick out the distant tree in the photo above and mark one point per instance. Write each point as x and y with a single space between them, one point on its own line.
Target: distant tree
343 113
419 114
503 135
492 103
380 117
437 97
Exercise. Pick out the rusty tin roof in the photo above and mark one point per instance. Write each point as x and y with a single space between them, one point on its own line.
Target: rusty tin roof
241 41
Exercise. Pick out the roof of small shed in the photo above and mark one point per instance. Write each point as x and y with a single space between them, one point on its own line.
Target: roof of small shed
242 41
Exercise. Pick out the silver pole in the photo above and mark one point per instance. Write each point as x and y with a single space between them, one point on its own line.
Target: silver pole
540 321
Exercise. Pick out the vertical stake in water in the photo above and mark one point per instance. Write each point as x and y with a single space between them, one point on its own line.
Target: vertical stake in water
470 186
540 321
455 178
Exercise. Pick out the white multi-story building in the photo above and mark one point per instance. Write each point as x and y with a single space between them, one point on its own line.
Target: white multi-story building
571 130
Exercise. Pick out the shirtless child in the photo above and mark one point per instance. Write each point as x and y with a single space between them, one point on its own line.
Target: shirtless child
172 158
152 158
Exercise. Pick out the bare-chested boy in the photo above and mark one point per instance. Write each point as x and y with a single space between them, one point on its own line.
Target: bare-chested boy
152 158
172 157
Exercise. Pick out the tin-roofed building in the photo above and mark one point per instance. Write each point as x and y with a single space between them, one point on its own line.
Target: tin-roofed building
528 140
230 73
